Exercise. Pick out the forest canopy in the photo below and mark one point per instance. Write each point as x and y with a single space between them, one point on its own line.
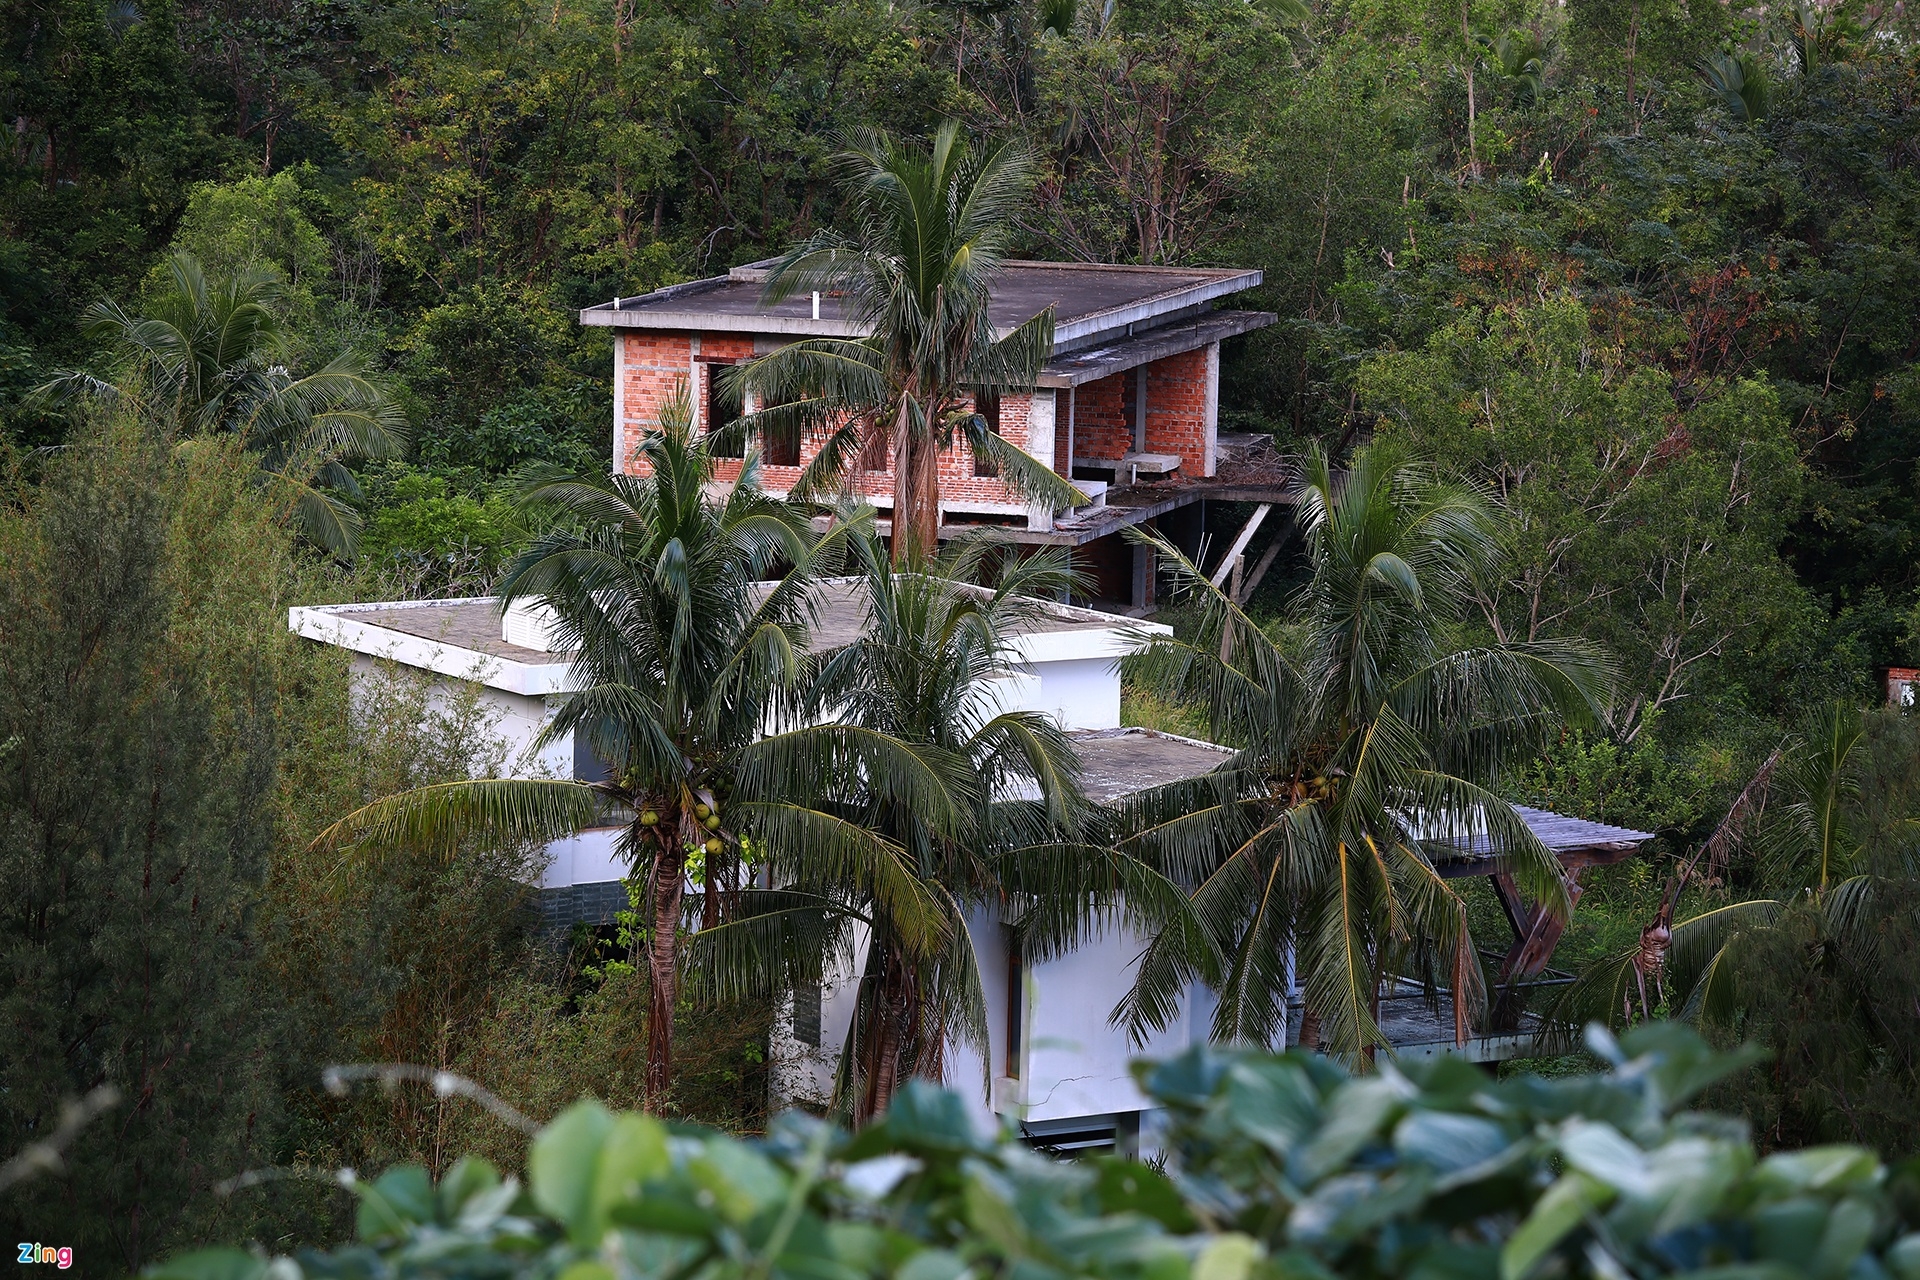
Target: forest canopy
288 295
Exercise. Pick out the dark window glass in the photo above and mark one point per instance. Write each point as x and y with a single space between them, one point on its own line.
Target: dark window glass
806 1015
987 405
719 413
587 764
1016 1004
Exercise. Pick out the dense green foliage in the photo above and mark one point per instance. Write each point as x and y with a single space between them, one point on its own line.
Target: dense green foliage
1644 271
171 752
1541 241
133 801
1370 728
1278 1168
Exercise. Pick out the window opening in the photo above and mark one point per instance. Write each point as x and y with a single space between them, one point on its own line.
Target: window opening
806 1014
1016 1003
719 412
987 404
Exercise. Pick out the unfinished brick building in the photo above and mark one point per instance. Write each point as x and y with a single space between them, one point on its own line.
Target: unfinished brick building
1127 405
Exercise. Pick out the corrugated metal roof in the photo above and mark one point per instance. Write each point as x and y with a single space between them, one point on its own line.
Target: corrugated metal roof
1557 831
1561 833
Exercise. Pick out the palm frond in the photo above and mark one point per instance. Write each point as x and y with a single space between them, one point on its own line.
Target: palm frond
444 818
778 939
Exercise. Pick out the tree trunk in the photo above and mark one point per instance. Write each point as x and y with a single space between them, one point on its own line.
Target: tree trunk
1633 41
916 498
926 499
895 1008
663 959
1466 36
903 486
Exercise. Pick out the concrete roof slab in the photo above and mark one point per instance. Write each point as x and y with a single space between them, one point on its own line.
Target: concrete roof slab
1090 364
1122 762
1088 299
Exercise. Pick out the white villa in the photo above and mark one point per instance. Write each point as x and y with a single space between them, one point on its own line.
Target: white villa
1055 1062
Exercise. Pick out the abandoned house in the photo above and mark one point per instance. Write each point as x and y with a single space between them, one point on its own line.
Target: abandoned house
1128 408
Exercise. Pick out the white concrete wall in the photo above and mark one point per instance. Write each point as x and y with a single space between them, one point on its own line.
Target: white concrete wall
1080 693
516 719
1075 1063
591 857
803 1073
1072 1063
513 722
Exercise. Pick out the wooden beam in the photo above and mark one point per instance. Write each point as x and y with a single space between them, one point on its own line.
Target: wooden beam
1280 539
1240 543
1537 932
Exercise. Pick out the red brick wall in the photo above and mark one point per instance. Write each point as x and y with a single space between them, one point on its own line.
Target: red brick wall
1101 425
1176 413
653 364
1177 409
957 481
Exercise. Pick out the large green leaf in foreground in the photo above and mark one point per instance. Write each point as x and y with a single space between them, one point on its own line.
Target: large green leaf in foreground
1281 1168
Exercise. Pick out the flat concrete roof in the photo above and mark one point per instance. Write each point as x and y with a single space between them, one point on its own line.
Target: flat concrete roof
466 637
1561 834
841 614
469 624
1121 762
1089 300
1120 352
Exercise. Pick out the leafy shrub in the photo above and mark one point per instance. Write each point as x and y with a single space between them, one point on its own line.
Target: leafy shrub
557 426
1280 1168
447 541
1632 785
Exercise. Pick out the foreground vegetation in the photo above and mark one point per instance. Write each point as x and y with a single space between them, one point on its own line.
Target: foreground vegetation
1275 1167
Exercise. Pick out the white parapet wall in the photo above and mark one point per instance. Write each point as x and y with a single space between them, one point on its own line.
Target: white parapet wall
1068 669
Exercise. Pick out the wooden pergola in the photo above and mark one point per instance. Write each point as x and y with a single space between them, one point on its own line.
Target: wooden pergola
1579 845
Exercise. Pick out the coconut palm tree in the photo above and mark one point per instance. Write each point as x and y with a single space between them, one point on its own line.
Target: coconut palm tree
928 806
1370 732
930 232
1517 59
681 643
215 357
1738 81
1825 847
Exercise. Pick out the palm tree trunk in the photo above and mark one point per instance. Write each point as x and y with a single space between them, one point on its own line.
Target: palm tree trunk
903 486
1309 1027
916 489
926 499
663 960
894 1007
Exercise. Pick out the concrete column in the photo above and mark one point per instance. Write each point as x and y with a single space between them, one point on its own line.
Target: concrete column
1142 596
696 394
1140 410
1213 409
619 402
1040 423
